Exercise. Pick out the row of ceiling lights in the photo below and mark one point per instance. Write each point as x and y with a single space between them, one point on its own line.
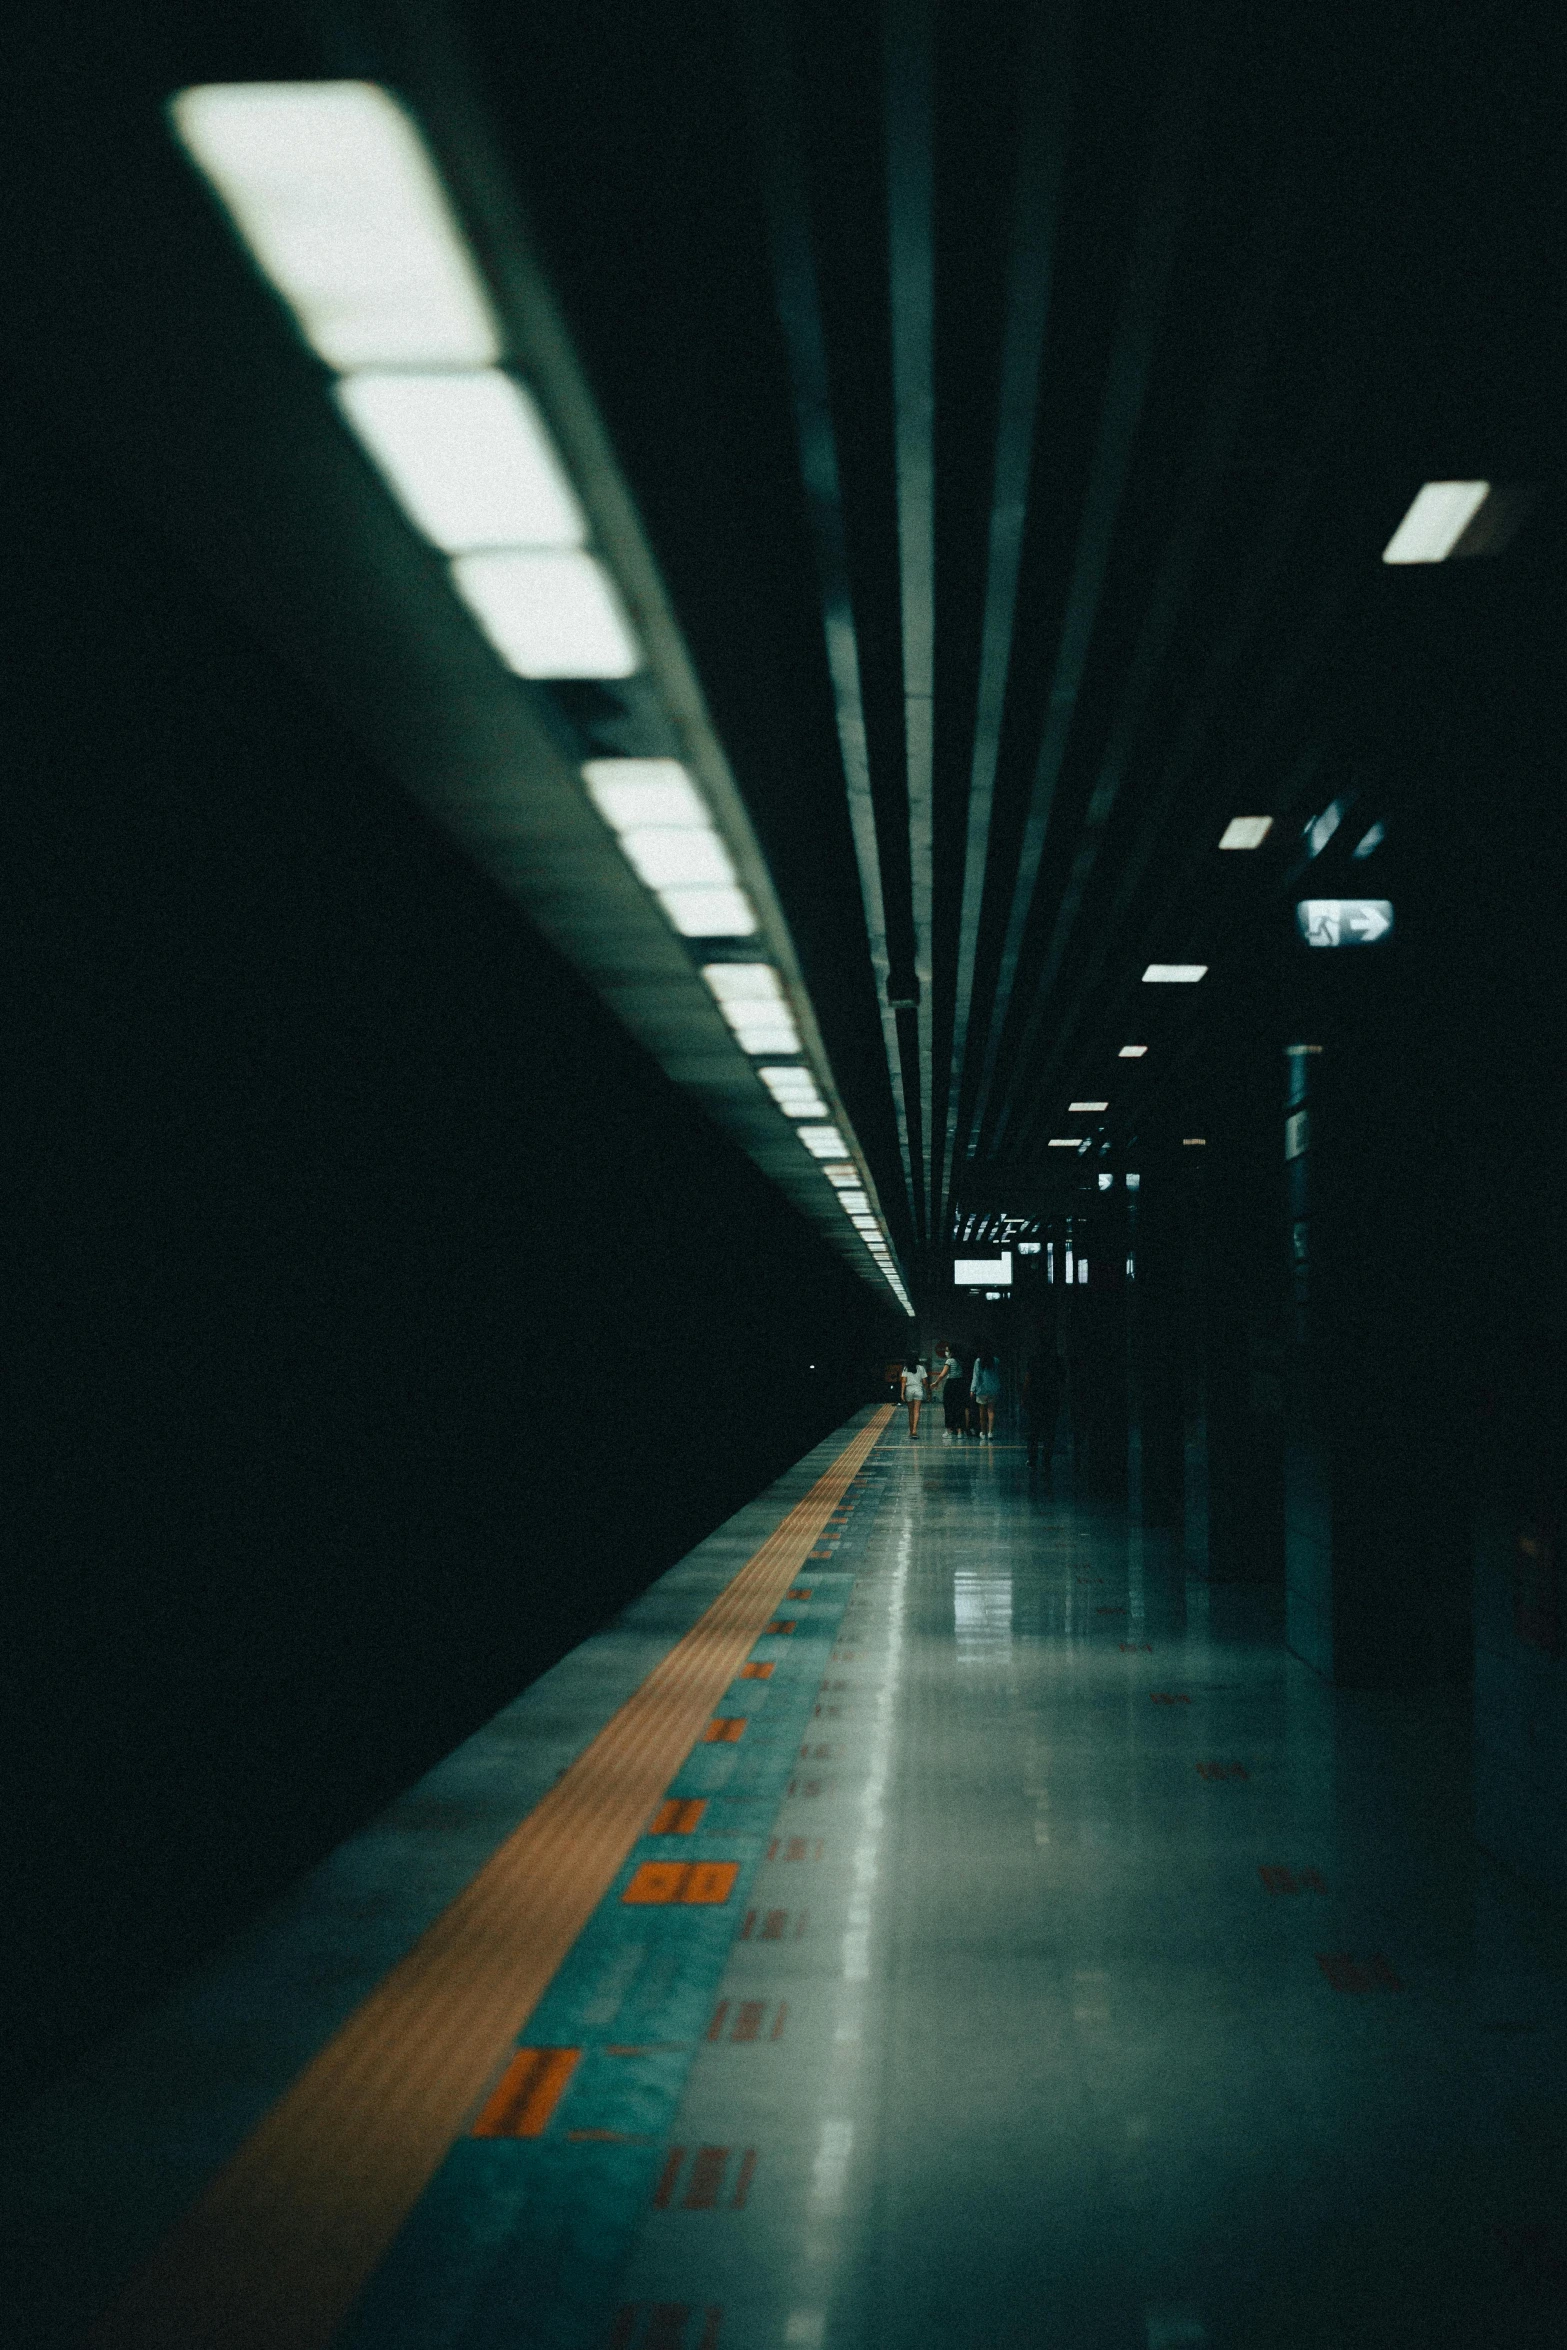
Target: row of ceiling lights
333 191
1432 529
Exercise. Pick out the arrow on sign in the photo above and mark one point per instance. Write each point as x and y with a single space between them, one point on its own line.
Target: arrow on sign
1343 922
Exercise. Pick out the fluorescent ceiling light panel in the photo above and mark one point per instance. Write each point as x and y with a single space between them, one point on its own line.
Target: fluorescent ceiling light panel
467 458
547 613
630 792
1131 1052
1066 1142
751 999
854 1203
1371 840
668 857
1321 829
1194 1142
843 1176
794 1090
1087 1106
1245 832
823 1142
709 913
1441 513
1175 974
335 193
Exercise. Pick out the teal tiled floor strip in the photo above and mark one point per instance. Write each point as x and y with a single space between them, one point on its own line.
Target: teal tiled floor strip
522 2240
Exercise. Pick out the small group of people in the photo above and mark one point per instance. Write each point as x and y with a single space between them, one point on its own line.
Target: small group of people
969 1393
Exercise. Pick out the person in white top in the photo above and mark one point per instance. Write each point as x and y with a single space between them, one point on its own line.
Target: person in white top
914 1391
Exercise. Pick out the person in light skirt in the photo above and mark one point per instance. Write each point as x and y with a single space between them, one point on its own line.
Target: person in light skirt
914 1389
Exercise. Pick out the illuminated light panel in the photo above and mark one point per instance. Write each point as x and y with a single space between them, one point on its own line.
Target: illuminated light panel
629 793
334 191
1440 514
709 913
1131 1052
1106 1182
1321 829
854 1203
751 999
548 612
1194 1142
1371 840
794 1090
1245 832
666 856
1175 974
823 1142
979 1270
843 1177
1086 1106
1067 1142
466 457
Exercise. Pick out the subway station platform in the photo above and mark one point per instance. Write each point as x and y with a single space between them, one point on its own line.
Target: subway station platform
925 1918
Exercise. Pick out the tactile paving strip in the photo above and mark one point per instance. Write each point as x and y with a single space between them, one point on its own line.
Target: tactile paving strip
275 2253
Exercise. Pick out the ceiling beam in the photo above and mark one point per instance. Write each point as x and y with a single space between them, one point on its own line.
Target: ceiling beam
767 31
1045 106
1142 306
909 41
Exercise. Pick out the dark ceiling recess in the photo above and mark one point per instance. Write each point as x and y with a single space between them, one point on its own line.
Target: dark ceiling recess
1019 400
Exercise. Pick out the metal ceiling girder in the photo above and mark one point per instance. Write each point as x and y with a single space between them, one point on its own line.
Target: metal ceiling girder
1248 604
1045 109
1141 311
909 61
1205 474
766 30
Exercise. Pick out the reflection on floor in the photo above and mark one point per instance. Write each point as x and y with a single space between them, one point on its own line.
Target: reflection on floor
1030 1954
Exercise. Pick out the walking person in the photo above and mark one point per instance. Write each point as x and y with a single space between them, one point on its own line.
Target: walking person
985 1386
941 1371
913 1385
954 1395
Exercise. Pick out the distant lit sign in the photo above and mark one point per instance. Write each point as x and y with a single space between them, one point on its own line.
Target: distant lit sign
980 1270
1028 1248
1343 922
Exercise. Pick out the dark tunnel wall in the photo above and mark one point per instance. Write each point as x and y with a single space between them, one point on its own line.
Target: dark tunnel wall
380 1319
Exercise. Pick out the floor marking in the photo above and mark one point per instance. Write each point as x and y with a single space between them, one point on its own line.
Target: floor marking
1136 1647
743 2183
1353 1974
787 1848
756 1672
810 1753
725 1730
780 1628
1222 1770
748 2023
1168 1697
667 2177
715 2030
277 2248
1277 1880
800 1591
527 2093
608 2138
782 2018
678 1816
702 1882
707 2178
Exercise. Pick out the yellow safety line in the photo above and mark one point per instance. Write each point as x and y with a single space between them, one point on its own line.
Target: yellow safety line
278 2248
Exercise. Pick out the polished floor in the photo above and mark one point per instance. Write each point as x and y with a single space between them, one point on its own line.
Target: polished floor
1028 1952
